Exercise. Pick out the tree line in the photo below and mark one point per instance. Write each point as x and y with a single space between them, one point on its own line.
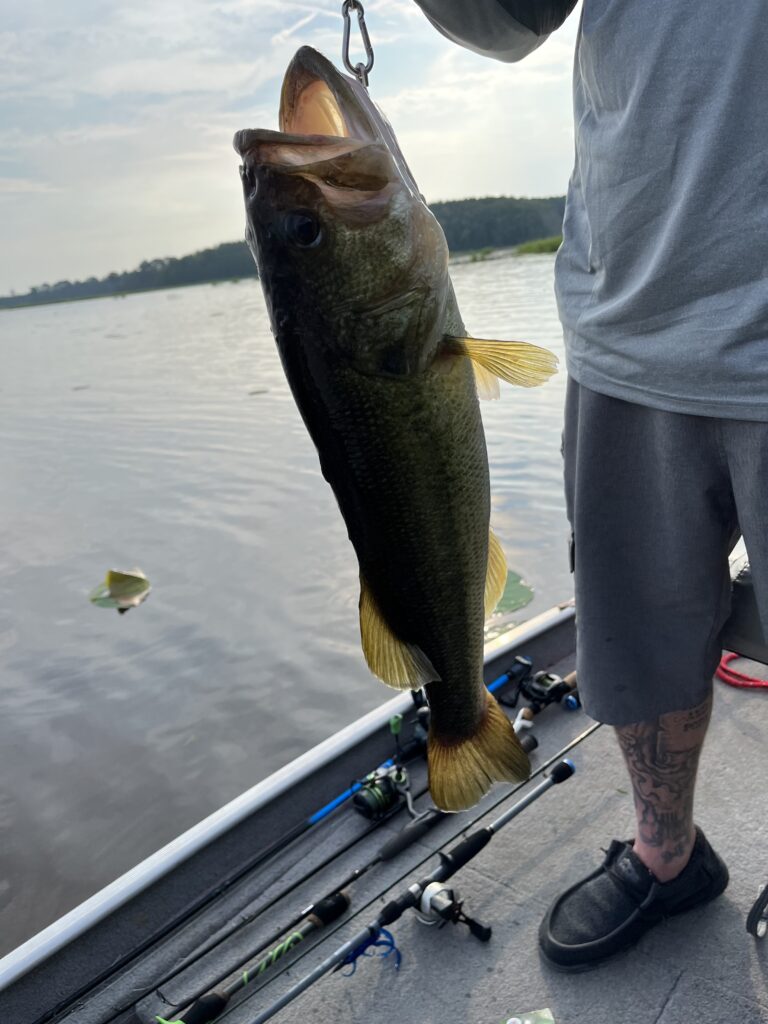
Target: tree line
468 224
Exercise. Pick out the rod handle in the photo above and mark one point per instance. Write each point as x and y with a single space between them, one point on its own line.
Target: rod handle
411 833
461 854
328 910
205 1009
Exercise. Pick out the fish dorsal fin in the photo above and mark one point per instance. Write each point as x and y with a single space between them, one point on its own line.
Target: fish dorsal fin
496 577
398 664
516 362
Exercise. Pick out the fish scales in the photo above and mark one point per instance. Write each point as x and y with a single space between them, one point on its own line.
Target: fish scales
354 269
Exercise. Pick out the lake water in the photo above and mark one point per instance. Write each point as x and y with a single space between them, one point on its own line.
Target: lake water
158 431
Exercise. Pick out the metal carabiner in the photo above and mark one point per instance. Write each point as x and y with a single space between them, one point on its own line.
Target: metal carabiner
360 71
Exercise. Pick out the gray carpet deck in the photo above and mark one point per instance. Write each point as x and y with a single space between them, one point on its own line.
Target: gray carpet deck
701 967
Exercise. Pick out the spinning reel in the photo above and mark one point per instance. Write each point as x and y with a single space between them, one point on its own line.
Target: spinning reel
440 904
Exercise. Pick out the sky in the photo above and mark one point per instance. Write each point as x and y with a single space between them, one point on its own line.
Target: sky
116 120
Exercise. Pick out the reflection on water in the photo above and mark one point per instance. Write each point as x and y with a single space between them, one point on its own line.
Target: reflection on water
158 431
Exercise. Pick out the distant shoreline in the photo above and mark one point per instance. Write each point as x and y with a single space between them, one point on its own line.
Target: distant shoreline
470 226
120 295
472 256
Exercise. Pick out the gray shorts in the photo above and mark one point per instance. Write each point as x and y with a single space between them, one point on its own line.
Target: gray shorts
656 501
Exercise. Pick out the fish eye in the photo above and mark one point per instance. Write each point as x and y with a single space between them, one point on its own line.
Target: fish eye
302 228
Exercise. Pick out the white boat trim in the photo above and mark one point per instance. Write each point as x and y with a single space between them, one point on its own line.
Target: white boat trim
69 927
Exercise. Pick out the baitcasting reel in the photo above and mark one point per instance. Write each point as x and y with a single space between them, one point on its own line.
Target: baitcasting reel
543 689
440 904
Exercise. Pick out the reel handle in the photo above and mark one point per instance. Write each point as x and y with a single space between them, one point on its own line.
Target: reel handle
480 931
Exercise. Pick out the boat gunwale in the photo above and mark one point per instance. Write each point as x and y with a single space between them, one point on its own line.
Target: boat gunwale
116 894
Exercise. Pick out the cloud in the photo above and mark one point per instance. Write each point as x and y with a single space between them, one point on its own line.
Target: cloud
22 186
115 137
285 34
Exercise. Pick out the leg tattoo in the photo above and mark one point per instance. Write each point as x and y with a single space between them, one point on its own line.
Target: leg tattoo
662 757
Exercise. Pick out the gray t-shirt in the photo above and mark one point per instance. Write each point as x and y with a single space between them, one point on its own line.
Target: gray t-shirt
662 278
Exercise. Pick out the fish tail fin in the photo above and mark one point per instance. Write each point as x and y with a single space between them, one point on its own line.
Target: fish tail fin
460 773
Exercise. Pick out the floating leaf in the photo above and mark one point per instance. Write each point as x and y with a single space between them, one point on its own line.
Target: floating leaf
121 590
517 594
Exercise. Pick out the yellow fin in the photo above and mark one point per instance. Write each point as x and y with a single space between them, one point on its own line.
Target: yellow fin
496 576
398 664
461 773
514 361
487 383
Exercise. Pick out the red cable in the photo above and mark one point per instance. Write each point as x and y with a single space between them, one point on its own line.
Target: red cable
734 678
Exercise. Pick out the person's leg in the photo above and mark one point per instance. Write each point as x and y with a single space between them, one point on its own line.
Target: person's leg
651 507
649 499
662 757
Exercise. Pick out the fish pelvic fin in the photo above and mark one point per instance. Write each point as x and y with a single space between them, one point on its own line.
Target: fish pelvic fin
400 665
496 576
460 773
516 362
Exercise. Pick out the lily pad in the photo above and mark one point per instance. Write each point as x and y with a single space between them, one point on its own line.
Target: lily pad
121 590
517 594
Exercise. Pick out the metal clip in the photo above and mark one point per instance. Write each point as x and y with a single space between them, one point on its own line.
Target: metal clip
360 71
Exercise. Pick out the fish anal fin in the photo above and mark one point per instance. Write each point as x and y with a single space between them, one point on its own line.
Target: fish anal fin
516 362
460 773
496 576
400 665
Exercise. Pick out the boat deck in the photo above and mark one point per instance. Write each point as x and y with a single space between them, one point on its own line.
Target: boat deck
702 967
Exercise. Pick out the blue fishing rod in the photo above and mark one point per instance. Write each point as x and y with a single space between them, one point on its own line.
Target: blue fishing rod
516 675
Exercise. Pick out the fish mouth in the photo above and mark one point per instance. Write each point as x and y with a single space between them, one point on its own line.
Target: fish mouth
324 115
317 99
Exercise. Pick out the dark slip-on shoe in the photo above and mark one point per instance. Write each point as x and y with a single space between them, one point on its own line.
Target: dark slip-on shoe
611 909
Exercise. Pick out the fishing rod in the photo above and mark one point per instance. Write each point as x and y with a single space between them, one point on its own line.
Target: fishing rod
416 895
516 675
373 799
441 903
209 1005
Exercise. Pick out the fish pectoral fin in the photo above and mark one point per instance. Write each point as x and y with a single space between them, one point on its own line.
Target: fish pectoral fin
516 362
487 383
399 664
496 576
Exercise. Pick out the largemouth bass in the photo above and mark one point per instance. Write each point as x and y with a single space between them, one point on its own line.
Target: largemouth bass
354 269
